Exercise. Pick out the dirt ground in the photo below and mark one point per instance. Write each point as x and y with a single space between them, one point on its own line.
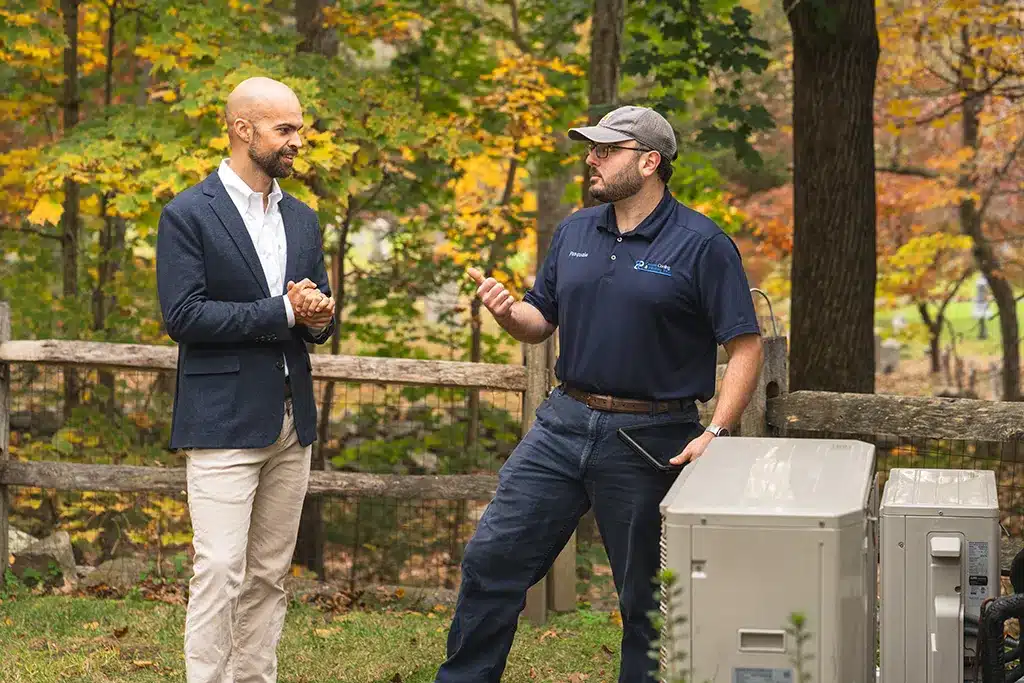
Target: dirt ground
913 377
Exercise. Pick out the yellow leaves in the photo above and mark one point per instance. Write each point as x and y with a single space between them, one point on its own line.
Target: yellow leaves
47 210
165 95
87 535
91 626
903 108
19 20
37 52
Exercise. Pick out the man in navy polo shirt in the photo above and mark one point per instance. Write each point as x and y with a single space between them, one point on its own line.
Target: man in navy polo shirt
642 291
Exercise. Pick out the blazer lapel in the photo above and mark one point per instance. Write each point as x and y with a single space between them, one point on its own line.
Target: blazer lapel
291 238
228 214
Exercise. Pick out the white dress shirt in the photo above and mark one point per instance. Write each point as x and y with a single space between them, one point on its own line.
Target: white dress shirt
266 229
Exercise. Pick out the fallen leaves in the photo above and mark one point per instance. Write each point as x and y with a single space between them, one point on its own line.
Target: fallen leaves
551 633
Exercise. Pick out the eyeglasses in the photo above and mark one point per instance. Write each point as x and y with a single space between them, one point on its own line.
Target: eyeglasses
602 151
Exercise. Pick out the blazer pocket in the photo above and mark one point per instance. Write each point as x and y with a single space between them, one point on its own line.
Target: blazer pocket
211 365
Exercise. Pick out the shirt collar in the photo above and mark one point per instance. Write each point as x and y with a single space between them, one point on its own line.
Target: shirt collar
649 227
240 192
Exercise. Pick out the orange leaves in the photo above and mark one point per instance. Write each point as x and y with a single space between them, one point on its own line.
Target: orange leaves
770 218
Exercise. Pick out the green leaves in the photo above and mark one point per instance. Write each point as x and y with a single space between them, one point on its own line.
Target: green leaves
694 59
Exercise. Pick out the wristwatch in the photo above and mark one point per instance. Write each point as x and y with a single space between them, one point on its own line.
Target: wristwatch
717 430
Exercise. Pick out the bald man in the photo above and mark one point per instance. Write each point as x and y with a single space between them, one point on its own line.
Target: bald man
242 287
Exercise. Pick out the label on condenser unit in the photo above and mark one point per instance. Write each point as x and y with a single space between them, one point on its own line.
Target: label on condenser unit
978 589
755 675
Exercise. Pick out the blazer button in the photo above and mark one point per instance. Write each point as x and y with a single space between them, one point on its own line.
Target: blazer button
280 365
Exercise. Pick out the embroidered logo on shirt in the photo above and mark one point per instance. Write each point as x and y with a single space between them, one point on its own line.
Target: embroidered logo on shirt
656 268
576 254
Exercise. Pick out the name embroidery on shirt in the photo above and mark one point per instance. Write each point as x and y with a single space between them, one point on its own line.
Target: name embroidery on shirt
656 268
576 254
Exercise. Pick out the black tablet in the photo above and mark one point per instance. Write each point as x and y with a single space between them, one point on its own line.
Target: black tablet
659 443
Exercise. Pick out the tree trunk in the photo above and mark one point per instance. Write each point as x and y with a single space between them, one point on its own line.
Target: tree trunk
550 210
971 225
69 220
934 333
309 20
833 271
309 546
112 235
606 28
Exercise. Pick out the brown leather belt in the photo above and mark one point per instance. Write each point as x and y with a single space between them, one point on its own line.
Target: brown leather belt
613 404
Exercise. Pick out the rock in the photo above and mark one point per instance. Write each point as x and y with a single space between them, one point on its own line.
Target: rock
403 428
18 540
51 559
421 411
119 573
424 460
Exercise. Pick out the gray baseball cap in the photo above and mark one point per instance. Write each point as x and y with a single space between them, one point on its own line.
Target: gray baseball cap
644 125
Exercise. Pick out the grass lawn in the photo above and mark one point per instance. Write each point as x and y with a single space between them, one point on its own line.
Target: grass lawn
50 639
961 315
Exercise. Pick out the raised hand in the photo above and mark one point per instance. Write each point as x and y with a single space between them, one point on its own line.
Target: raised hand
492 294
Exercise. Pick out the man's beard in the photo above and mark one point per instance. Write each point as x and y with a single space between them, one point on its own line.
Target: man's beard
622 185
271 162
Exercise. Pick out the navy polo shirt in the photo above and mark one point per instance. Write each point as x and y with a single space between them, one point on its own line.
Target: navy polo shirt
641 315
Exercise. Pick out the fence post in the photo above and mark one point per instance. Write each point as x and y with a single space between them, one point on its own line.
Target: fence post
536 609
5 411
562 576
773 381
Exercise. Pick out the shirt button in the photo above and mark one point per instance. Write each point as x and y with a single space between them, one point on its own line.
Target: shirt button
613 257
618 239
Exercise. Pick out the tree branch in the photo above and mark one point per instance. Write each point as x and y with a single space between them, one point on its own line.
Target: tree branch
517 35
986 198
915 171
32 231
951 292
373 195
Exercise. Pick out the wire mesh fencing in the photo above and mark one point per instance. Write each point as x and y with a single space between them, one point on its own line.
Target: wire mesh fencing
123 418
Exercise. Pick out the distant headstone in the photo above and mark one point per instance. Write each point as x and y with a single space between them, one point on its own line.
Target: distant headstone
981 300
889 356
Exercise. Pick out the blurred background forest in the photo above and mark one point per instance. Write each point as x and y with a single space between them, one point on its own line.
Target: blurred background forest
435 140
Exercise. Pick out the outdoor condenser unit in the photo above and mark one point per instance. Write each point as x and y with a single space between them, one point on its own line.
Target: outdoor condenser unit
758 529
940 562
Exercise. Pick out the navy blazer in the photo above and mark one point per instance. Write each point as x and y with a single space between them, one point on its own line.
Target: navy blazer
231 330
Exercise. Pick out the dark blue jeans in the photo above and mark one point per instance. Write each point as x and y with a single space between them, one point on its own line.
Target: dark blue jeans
570 460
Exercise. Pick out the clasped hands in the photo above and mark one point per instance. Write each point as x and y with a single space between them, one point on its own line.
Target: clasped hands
310 306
